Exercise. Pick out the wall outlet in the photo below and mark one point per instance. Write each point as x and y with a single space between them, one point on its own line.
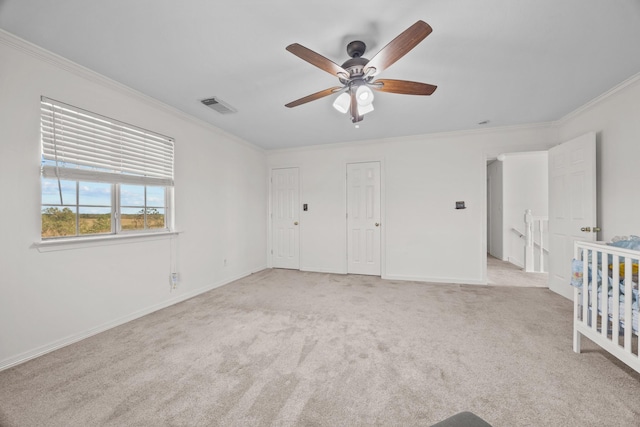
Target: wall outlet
225 262
173 281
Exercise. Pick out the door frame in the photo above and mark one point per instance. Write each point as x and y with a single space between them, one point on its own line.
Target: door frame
383 204
490 155
270 213
493 155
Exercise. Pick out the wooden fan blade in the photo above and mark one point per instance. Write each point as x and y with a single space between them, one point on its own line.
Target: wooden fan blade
399 47
316 59
313 96
403 86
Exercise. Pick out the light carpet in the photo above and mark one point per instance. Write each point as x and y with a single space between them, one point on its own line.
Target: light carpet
288 348
503 273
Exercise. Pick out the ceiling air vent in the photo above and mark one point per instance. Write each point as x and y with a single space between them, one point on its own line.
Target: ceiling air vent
218 105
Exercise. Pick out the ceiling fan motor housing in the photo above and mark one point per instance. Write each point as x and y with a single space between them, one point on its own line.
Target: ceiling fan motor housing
356 49
355 67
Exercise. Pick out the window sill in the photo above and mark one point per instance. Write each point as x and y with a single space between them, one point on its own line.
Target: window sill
87 242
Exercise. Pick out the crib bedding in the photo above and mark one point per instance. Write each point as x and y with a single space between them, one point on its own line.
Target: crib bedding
577 270
621 307
607 272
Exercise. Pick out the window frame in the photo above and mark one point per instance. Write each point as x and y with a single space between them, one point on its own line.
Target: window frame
79 173
77 206
166 207
116 213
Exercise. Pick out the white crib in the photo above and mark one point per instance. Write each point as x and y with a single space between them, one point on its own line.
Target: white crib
610 318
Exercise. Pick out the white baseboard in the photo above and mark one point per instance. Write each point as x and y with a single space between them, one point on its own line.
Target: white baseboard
321 270
435 280
55 345
515 262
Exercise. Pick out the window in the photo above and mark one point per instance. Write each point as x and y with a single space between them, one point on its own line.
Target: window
142 207
101 176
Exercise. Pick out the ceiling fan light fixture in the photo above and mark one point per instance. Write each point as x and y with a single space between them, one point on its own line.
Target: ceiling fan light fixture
364 95
342 102
364 109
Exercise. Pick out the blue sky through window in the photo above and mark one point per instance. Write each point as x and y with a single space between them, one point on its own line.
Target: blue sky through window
98 193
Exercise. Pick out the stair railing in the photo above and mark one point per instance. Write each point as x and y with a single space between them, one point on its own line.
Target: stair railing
534 227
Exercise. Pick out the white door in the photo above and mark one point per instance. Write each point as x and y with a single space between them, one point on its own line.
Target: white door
363 218
572 206
285 218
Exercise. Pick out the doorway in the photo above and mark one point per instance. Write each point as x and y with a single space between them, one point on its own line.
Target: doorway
363 218
571 197
285 218
516 182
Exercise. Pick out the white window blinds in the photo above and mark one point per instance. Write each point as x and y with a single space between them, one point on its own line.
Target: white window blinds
77 144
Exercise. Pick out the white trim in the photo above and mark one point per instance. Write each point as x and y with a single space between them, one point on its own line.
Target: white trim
515 262
598 99
524 153
450 134
606 247
71 339
484 212
312 269
435 280
67 243
67 65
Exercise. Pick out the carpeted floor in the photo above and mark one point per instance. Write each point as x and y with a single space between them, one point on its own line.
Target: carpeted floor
503 273
288 348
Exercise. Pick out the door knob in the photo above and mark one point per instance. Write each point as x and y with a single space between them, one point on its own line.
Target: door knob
295 223
377 224
596 229
587 229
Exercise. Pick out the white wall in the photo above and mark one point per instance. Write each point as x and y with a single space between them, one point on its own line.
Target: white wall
424 236
525 186
53 298
615 117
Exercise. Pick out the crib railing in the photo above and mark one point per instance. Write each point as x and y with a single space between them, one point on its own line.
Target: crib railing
599 313
535 226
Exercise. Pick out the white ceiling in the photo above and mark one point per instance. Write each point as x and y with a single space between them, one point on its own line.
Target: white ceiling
507 61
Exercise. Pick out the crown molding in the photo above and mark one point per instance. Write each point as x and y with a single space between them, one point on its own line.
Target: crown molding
426 136
44 55
635 79
65 64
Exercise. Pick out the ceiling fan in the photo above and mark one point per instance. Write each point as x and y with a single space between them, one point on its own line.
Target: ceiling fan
357 73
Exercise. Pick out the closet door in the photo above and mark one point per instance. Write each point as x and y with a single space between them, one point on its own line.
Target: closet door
363 218
285 218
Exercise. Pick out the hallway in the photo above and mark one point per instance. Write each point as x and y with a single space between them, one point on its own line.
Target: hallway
503 273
